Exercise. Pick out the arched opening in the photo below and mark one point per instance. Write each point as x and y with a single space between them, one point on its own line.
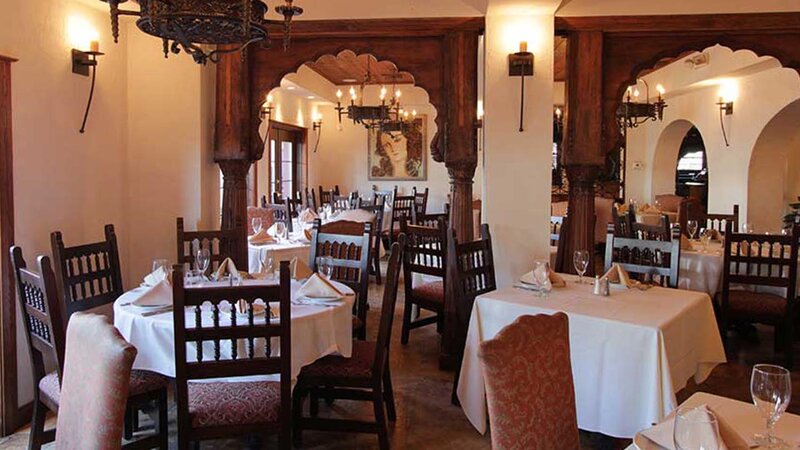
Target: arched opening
774 172
665 158
691 178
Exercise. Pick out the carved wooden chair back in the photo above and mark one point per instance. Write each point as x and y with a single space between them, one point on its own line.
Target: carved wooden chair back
431 220
652 261
281 213
340 203
402 206
348 243
326 197
42 313
89 275
213 340
311 199
660 232
420 201
382 344
376 206
556 225
623 224
221 244
425 251
559 232
387 196
719 222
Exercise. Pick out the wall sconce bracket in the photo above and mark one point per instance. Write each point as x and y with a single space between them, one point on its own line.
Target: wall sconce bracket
82 61
520 64
726 107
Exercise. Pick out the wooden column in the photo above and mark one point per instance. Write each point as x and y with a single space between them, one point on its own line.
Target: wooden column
11 416
583 156
236 141
460 137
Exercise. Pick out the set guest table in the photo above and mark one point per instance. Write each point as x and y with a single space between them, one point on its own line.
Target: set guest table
701 269
297 246
630 351
317 330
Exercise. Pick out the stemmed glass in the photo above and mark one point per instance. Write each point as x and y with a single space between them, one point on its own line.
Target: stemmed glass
705 238
691 227
325 266
747 228
541 274
771 389
581 262
695 429
202 260
161 263
280 230
257 224
266 263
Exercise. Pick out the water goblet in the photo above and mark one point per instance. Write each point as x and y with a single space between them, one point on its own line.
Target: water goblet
161 263
541 274
325 266
771 389
705 238
695 429
267 263
581 262
257 224
280 231
691 227
203 260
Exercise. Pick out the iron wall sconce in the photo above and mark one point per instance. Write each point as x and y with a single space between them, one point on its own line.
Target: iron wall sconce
266 109
520 64
84 62
316 125
725 109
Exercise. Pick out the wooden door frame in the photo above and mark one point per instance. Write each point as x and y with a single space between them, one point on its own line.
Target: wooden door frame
275 125
12 415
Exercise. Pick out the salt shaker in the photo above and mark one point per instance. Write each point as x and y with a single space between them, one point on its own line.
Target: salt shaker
597 286
605 287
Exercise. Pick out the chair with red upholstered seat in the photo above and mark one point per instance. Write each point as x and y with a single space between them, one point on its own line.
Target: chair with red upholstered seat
243 342
43 316
97 367
364 376
348 243
765 265
425 254
89 278
529 387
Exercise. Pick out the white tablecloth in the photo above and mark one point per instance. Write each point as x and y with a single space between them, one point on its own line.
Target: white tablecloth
630 352
743 417
702 270
317 331
280 252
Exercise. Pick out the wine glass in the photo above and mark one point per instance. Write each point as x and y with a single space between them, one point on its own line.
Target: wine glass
267 263
771 389
581 262
202 260
161 263
705 238
325 266
280 230
747 228
541 274
691 227
257 224
695 429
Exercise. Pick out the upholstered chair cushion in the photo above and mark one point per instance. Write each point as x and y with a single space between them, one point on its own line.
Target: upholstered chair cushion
431 292
267 216
529 385
234 403
97 370
141 381
357 366
756 306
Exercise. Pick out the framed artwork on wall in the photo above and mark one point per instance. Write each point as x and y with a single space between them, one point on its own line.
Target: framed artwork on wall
399 155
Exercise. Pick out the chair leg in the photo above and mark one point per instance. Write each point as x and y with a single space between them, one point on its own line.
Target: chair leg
788 346
297 416
388 395
380 419
36 438
128 426
376 261
404 332
162 427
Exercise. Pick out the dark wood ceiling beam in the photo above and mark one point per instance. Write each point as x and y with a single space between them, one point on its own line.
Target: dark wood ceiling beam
774 23
401 27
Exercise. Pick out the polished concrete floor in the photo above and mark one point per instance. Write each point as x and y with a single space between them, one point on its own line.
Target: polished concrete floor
427 420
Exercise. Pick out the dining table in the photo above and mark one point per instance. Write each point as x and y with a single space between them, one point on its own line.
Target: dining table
630 351
296 245
742 417
701 267
318 330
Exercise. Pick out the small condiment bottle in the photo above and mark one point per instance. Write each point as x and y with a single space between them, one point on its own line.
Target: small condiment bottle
597 286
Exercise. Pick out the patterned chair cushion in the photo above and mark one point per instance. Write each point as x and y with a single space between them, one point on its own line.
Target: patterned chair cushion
359 365
234 403
432 292
756 305
141 381
267 216
529 386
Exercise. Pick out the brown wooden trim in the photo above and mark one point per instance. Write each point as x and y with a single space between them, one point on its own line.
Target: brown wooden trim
8 314
400 27
8 58
770 23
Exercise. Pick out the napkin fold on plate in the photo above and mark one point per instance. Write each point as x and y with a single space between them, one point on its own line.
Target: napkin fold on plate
156 276
308 234
261 238
618 275
319 288
227 267
729 439
242 308
686 244
299 269
159 294
556 280
307 216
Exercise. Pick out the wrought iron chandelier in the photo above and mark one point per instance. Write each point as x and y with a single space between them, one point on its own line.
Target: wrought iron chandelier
188 25
631 114
387 117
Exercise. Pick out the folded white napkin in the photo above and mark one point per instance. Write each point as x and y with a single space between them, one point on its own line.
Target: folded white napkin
226 268
261 238
618 275
307 216
158 295
319 288
155 277
299 269
728 438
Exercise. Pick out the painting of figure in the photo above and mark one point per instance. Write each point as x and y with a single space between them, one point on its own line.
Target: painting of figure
399 155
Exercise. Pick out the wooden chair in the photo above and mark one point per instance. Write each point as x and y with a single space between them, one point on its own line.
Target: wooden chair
623 225
45 322
375 206
761 261
660 232
402 206
532 409
559 230
348 243
425 254
719 222
649 260
242 345
556 226
264 201
430 220
281 212
97 367
388 196
340 203
470 273
364 376
311 199
221 244
420 200
326 197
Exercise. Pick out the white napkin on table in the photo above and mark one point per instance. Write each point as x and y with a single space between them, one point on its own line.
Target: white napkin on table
618 275
728 438
299 269
155 277
227 267
158 295
261 238
307 216
319 288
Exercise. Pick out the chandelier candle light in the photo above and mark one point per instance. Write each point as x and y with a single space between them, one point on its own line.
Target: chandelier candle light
386 117
632 113
189 25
